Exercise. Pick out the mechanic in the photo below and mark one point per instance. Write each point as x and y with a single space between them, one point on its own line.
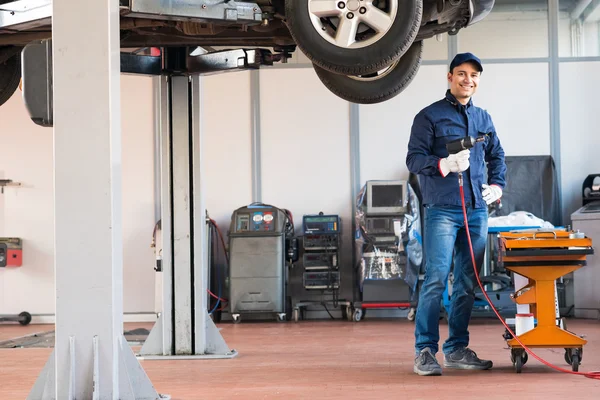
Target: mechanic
449 119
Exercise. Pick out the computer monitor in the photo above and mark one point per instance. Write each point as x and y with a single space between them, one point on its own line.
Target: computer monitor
386 197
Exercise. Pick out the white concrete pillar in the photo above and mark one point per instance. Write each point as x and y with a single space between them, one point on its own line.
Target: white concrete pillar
87 168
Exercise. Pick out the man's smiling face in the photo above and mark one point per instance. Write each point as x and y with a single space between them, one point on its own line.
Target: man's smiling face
464 80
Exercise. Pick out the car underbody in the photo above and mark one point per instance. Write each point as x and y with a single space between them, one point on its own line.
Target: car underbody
439 16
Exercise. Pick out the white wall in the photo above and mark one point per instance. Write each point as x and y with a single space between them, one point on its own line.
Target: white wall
434 49
306 154
587 36
507 35
137 113
525 35
517 98
385 127
227 153
591 39
579 122
305 145
26 156
565 48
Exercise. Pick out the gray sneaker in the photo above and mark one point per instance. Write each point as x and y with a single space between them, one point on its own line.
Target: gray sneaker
426 364
465 358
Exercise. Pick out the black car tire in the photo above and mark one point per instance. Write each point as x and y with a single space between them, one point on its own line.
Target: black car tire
359 61
10 76
376 88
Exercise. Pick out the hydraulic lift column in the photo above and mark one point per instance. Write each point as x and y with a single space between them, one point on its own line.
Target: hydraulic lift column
184 328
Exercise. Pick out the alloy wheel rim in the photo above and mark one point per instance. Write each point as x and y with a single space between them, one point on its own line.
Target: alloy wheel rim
352 24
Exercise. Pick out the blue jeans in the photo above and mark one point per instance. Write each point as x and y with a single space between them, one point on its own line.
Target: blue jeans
444 236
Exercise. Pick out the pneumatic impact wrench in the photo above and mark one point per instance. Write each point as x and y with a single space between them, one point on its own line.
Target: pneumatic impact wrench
458 145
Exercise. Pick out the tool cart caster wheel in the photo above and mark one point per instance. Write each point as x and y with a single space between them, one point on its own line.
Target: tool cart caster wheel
357 315
573 357
296 315
236 318
518 365
281 317
568 356
575 362
412 314
569 352
25 318
519 358
349 313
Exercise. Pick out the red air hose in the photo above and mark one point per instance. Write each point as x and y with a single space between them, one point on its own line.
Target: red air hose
592 375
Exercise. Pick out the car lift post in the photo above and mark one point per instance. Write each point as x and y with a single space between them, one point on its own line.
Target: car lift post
184 328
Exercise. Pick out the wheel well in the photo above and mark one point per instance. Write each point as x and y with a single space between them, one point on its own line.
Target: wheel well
453 17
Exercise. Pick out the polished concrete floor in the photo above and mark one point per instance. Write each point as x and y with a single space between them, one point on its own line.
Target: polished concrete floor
329 360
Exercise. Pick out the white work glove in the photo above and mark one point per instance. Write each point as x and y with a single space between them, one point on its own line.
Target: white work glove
491 193
458 162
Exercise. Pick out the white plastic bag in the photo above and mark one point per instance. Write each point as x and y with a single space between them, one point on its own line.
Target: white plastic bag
519 218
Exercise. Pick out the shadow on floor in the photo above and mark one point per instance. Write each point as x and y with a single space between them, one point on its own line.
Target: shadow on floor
46 339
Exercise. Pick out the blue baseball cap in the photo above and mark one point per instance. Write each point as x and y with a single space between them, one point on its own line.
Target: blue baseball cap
463 58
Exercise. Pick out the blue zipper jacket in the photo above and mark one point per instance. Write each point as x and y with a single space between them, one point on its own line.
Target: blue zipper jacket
440 123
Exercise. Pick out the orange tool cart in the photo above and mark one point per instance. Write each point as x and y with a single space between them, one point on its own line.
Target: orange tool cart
542 257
